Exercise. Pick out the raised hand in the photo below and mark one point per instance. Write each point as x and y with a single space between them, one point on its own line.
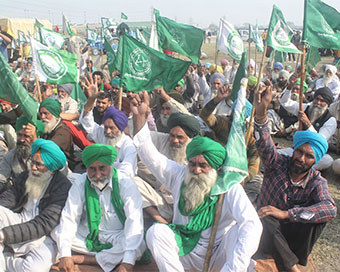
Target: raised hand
261 101
91 87
139 106
223 93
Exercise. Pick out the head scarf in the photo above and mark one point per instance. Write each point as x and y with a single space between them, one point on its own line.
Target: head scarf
225 62
188 123
252 81
249 107
250 62
23 121
218 76
278 65
51 154
53 106
212 151
290 68
181 83
326 93
175 95
317 142
305 86
68 88
118 117
99 152
284 74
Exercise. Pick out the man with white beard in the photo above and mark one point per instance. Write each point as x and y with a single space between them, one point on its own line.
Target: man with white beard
330 80
277 67
314 117
183 245
157 198
112 133
69 107
17 160
251 67
30 209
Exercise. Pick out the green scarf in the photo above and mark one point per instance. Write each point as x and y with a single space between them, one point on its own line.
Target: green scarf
188 236
94 213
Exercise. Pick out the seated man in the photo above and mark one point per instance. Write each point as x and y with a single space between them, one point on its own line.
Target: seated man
294 202
69 107
103 102
115 121
31 209
314 117
17 160
239 228
102 217
329 80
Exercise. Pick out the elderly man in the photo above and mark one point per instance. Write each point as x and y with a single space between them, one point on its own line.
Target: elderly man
294 203
277 67
330 80
157 199
314 117
69 107
31 209
102 218
182 245
17 160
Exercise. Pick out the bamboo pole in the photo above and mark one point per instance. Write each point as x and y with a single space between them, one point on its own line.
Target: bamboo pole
216 56
259 77
255 60
120 98
38 87
249 44
302 79
297 62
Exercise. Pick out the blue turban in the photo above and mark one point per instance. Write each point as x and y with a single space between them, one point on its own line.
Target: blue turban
317 142
51 154
118 117
215 76
278 65
249 107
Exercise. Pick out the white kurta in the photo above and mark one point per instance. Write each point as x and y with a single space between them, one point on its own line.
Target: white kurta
238 215
127 156
127 240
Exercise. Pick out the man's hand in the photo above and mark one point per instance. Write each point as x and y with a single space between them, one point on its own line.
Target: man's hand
66 264
161 93
261 101
139 106
303 118
272 211
292 81
124 267
91 87
31 131
223 93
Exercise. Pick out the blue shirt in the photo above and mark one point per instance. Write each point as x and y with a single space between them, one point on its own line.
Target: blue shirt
3 48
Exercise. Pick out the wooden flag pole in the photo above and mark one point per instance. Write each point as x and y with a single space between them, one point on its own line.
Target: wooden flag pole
259 78
216 56
249 44
255 59
302 79
297 62
120 98
38 87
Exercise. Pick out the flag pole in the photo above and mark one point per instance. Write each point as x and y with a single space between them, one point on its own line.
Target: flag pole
297 62
302 79
38 87
255 59
249 46
120 98
216 56
259 77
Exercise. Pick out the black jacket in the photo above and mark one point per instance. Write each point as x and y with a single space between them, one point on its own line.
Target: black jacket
50 206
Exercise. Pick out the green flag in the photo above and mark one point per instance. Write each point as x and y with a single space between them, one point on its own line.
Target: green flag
312 58
66 27
235 167
143 68
52 65
12 90
22 36
241 73
140 37
251 34
51 38
37 23
156 12
111 56
183 39
79 96
321 26
106 34
107 22
279 56
258 40
91 34
279 33
123 16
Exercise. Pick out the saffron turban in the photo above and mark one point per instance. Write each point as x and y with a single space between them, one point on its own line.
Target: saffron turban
99 152
118 117
317 142
53 106
51 154
23 121
188 123
212 151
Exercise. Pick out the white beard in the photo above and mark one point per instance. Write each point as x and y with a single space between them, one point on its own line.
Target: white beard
178 154
275 75
113 139
63 102
101 182
50 124
197 187
35 185
315 112
327 80
164 119
214 92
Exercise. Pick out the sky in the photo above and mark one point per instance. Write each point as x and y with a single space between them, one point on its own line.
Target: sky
196 12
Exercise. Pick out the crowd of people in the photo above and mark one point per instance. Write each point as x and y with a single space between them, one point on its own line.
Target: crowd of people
86 184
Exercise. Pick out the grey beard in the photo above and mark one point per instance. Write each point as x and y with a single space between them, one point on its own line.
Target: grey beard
35 185
164 119
197 187
23 151
101 182
178 154
63 101
327 80
275 75
113 139
315 112
50 124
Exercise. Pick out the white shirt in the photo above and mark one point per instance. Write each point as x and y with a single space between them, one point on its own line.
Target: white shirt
328 128
236 209
73 221
127 156
224 108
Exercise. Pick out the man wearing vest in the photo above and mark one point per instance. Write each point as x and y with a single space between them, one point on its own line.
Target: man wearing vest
102 218
314 117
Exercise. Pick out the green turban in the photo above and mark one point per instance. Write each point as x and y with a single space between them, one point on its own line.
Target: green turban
99 152
212 151
51 154
187 122
252 81
305 86
23 121
53 106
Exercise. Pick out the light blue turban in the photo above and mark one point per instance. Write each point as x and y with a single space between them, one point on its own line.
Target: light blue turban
51 154
249 107
317 142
